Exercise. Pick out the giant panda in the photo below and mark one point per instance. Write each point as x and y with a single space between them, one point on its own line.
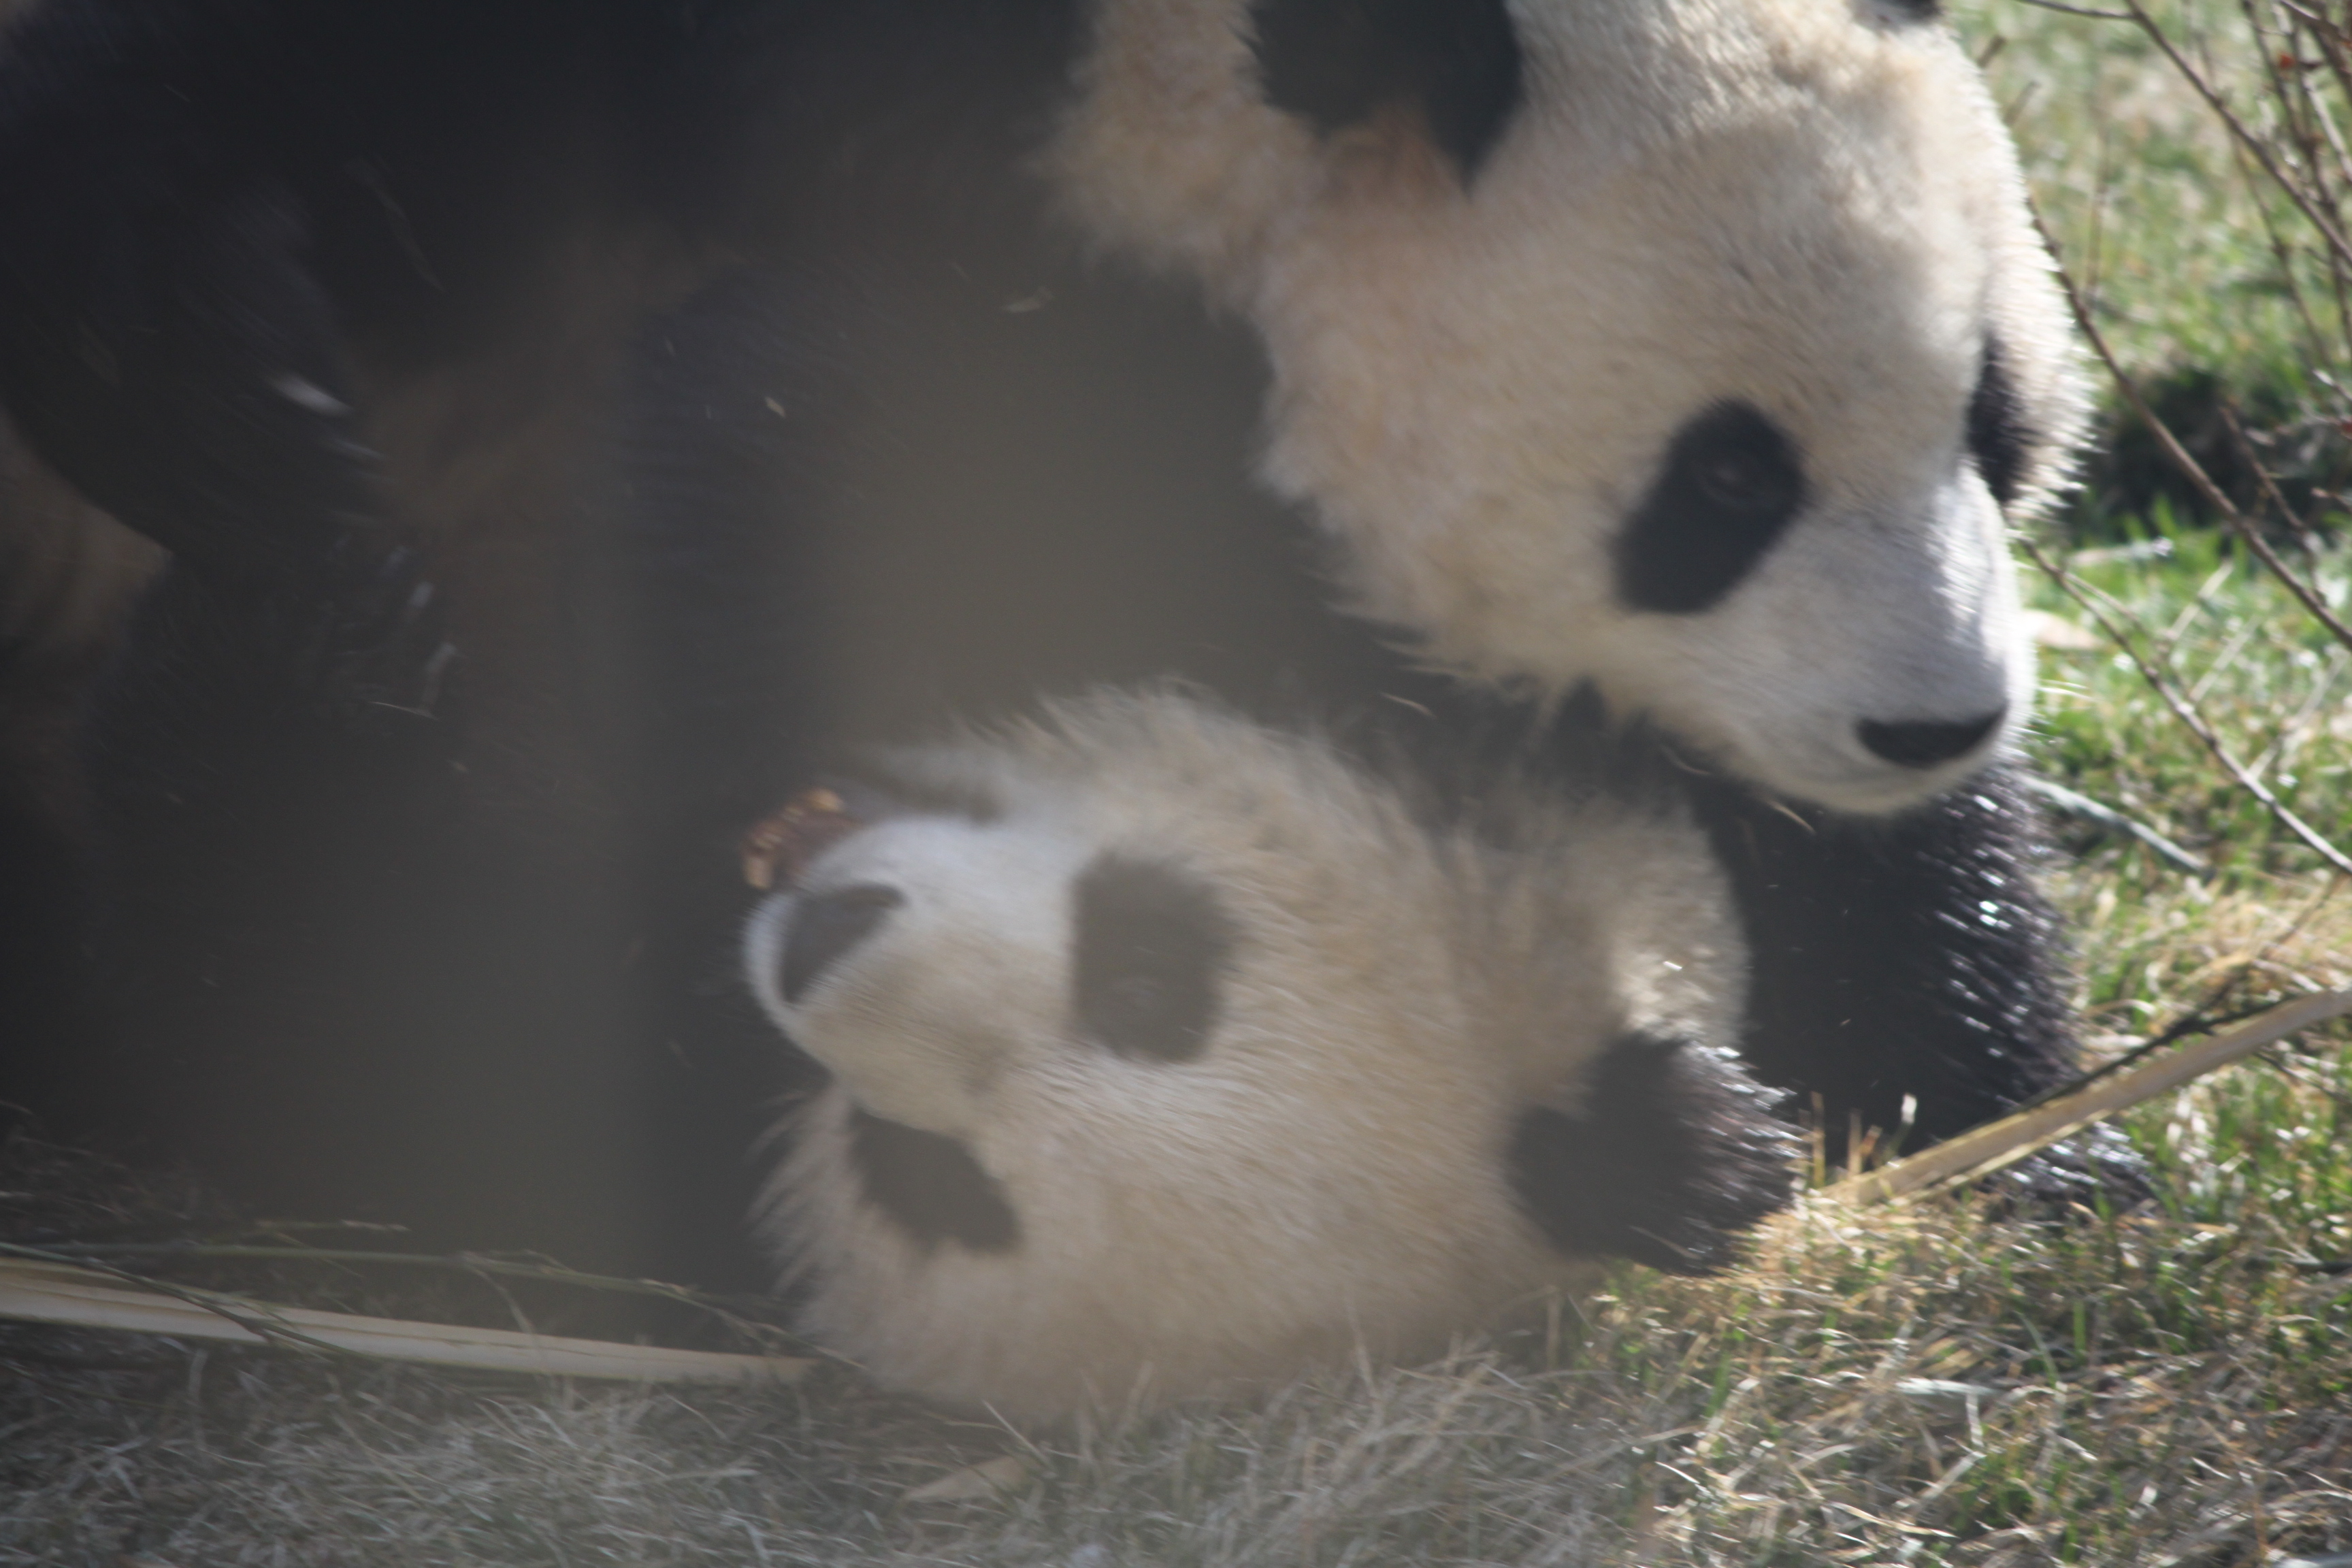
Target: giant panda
1666 362
1170 1054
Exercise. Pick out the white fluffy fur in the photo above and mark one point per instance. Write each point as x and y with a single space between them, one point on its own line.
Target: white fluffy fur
1810 205
1329 1172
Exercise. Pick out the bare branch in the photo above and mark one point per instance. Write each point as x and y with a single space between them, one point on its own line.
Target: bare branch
2191 718
2081 10
2246 138
2306 593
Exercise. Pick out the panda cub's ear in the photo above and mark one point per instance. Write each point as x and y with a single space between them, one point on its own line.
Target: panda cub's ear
1673 1154
1335 63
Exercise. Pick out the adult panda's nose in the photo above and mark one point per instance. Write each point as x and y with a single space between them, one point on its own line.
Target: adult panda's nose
826 926
1923 744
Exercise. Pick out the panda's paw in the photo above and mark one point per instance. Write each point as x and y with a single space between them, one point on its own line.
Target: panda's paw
370 651
352 647
180 361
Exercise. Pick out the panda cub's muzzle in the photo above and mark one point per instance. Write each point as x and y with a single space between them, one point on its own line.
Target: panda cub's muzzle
892 929
823 927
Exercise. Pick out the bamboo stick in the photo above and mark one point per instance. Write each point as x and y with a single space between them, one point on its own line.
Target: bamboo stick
50 1293
1984 1150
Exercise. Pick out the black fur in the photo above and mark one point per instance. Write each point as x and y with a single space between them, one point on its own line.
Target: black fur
1907 972
1335 62
1667 1161
1906 975
930 1186
1999 437
346 973
1151 950
1729 485
1922 743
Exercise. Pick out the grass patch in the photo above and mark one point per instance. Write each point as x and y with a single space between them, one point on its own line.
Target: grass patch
2207 282
1923 1386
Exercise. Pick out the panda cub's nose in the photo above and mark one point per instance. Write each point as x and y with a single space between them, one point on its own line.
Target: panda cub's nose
826 926
1924 744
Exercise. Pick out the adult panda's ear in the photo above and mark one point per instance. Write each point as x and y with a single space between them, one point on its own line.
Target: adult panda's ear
1334 63
1671 1154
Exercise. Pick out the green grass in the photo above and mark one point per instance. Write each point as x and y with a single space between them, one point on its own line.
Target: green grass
2205 281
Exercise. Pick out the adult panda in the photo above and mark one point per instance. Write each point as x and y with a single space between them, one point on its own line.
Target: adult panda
1170 1054
1688 351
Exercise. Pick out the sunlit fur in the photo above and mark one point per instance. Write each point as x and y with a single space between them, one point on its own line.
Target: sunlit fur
1808 205
1330 1172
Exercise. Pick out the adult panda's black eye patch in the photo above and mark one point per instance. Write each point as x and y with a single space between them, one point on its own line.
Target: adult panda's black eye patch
1151 948
1731 483
2000 436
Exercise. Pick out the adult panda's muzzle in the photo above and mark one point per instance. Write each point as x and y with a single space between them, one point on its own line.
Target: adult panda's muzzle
1927 743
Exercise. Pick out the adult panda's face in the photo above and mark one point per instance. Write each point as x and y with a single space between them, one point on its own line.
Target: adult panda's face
1699 352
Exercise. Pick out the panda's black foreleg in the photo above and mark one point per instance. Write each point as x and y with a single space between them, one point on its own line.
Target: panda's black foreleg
1909 975
173 337
193 386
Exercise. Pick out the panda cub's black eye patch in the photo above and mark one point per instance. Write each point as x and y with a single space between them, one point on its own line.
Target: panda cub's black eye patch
1151 950
930 1185
1731 483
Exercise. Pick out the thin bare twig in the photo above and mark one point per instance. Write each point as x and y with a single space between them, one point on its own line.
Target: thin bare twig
2201 1016
2195 472
2073 803
2179 455
2189 716
2307 596
471 1263
260 1323
2080 11
2237 128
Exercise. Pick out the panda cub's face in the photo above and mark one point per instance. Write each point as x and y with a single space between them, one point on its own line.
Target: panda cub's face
1171 1056
1697 348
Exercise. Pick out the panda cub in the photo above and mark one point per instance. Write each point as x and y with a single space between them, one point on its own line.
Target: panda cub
1171 1054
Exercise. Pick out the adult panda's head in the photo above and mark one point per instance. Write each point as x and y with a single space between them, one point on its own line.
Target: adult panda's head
1699 349
1171 1056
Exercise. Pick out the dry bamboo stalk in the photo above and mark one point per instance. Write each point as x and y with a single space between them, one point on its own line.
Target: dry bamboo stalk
1987 1149
50 1293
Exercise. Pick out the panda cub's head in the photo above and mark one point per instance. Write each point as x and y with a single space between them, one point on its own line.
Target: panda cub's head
1171 1054
1696 349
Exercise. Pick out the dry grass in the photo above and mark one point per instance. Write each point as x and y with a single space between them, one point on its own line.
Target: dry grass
1927 1386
